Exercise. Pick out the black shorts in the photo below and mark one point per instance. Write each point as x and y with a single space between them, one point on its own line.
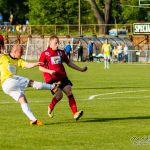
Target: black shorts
64 82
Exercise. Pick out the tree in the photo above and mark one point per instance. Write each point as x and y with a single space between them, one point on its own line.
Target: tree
101 10
117 11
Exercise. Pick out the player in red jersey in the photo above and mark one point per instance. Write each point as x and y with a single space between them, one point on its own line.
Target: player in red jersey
54 71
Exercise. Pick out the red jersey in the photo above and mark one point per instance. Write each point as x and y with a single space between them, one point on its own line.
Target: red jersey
53 60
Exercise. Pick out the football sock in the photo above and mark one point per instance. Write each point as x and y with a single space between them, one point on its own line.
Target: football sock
53 103
105 64
27 111
72 104
42 85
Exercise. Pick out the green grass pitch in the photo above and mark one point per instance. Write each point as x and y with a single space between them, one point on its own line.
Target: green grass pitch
117 118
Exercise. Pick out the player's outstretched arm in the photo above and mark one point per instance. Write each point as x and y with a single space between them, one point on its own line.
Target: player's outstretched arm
74 66
32 65
42 69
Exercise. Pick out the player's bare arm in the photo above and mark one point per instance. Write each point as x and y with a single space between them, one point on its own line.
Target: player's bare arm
42 69
32 65
74 66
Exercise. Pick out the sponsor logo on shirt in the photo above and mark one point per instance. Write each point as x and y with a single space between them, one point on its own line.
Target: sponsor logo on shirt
56 60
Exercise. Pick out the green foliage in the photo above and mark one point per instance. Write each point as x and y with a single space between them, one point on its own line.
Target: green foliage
55 12
131 14
48 12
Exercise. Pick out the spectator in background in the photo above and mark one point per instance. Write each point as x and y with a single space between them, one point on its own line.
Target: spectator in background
27 22
1 44
11 18
80 51
7 46
68 49
115 54
90 50
120 52
125 50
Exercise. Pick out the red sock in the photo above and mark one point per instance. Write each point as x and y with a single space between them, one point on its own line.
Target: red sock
72 104
53 103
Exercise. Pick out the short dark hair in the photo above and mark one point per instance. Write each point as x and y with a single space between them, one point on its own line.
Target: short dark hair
54 37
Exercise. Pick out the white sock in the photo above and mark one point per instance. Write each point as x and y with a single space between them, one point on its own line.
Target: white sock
42 85
27 111
105 64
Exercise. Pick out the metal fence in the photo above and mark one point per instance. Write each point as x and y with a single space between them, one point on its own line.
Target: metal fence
63 30
141 56
32 51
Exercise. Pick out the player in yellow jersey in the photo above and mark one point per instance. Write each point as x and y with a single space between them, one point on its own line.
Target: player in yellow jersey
106 48
14 85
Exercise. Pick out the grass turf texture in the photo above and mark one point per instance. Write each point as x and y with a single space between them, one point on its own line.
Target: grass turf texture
118 119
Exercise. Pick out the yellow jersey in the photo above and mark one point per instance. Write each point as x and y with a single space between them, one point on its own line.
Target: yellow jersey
106 48
9 66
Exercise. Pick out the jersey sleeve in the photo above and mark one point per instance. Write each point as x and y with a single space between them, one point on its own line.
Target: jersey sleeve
21 63
65 57
42 58
2 58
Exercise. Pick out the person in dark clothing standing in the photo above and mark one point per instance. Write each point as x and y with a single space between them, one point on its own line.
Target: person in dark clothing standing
90 50
80 51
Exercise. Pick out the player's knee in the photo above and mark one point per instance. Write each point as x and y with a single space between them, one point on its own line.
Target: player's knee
69 92
59 96
37 85
30 83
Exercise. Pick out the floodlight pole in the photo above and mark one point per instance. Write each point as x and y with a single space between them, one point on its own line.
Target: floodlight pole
79 18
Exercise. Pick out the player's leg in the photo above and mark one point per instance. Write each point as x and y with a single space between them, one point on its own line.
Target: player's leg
25 108
42 85
72 103
105 61
57 97
14 87
108 61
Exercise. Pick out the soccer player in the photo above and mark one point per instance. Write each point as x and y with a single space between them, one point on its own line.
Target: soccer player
106 48
14 85
54 71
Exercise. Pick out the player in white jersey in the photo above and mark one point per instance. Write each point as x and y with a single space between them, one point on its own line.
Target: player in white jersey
106 48
14 85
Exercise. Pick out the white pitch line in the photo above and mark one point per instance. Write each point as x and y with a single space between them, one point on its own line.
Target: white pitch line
40 101
113 93
90 97
132 97
81 99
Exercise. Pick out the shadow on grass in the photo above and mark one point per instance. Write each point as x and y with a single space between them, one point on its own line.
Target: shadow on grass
85 88
96 88
92 120
114 119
